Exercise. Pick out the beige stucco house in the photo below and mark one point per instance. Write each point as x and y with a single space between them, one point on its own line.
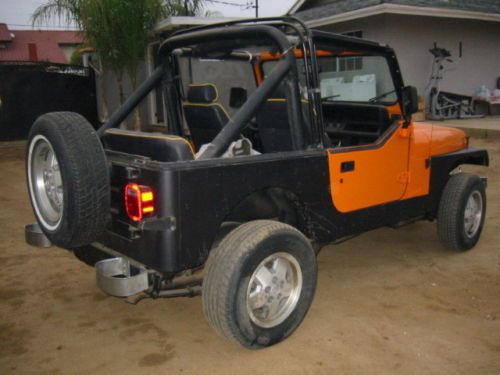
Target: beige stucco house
469 29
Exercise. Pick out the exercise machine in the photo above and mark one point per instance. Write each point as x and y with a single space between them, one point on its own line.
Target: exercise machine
446 105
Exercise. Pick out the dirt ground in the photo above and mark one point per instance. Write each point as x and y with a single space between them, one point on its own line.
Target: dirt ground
387 302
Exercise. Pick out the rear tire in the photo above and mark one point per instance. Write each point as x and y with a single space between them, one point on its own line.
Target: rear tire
68 179
259 283
462 211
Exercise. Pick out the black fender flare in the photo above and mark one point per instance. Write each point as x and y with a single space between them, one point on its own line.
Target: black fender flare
442 165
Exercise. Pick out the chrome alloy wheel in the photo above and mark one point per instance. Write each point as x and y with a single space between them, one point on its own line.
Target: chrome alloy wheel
473 214
274 290
45 182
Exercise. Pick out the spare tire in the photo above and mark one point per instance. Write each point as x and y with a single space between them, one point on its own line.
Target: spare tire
68 179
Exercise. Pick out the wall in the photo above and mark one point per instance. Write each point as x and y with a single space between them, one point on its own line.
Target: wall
413 36
30 90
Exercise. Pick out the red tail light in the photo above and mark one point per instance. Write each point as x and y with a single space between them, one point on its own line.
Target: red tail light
139 201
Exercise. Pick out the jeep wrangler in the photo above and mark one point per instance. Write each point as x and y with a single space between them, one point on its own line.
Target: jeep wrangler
278 140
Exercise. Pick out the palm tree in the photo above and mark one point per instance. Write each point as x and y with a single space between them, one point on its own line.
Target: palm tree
63 10
118 30
184 7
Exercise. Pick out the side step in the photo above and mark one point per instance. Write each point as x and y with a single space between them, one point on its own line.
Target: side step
117 277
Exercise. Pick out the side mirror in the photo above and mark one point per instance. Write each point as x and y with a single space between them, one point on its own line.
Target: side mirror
410 100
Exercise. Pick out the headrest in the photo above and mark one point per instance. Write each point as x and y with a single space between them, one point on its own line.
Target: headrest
202 93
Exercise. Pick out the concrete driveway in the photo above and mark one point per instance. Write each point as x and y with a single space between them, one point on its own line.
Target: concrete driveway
388 302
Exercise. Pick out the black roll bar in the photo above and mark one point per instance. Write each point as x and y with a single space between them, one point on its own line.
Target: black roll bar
309 51
246 21
233 128
286 69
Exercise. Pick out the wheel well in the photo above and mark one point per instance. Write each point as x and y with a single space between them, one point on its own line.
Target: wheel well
444 165
272 203
482 161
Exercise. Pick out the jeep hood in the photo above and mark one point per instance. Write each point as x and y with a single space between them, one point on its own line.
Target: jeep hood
442 139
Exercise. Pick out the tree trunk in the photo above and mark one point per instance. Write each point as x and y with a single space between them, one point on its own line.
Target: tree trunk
119 78
137 114
137 119
103 97
121 95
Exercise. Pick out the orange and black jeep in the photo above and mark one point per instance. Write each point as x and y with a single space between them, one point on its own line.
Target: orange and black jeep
278 140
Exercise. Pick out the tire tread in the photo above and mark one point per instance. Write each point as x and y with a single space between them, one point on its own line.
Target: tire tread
89 182
219 274
450 207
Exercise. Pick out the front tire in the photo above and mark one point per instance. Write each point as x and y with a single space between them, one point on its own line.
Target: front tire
259 283
462 211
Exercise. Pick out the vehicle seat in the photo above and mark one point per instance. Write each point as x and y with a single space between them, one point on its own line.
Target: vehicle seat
205 116
157 146
273 122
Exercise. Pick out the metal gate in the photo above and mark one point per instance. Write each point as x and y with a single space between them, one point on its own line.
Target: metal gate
29 90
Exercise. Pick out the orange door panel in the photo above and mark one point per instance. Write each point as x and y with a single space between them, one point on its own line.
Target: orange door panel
370 175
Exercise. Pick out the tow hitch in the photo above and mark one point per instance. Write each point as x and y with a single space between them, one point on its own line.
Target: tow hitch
119 276
123 277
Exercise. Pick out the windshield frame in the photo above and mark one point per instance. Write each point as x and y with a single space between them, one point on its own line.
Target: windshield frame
323 54
328 42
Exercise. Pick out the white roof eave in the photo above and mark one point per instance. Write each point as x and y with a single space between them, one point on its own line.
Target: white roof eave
403 10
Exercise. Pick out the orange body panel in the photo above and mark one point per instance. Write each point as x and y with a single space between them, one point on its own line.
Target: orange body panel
259 75
394 110
379 174
418 168
426 141
396 170
445 140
